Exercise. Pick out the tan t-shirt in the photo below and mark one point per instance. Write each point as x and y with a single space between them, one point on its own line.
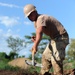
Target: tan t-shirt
54 27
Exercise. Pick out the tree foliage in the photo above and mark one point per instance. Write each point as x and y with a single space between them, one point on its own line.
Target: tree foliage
16 44
71 50
13 55
2 55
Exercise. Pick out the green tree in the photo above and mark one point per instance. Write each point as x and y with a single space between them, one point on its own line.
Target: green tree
2 55
71 50
13 55
16 44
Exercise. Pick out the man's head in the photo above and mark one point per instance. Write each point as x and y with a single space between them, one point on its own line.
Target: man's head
30 12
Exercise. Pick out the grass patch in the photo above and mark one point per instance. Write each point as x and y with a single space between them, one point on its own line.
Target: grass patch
4 66
37 69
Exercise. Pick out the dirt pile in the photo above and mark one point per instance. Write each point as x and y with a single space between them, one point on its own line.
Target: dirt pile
19 62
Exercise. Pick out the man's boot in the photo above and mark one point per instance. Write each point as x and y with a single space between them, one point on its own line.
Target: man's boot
47 73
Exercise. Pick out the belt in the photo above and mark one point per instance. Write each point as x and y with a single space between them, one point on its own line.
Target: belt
65 35
62 36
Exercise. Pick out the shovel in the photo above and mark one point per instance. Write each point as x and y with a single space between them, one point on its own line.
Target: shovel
33 63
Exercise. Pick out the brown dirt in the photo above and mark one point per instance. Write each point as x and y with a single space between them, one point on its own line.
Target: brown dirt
6 72
20 72
20 62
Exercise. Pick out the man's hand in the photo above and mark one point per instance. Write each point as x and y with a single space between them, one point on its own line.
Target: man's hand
34 50
33 38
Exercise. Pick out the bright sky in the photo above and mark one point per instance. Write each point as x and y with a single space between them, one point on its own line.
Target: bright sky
13 22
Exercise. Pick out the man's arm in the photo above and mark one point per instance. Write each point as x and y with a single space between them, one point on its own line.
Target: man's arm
39 32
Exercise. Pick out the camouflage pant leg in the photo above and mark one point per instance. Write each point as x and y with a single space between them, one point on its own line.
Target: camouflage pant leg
57 66
58 55
46 60
54 55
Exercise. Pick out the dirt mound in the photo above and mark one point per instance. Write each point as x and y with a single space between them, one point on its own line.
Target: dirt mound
19 62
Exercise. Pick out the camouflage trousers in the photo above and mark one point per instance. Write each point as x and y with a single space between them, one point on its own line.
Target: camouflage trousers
53 56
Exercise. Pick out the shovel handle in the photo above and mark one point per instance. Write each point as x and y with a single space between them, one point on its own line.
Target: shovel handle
33 58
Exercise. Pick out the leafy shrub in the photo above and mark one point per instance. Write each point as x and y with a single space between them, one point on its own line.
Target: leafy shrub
4 66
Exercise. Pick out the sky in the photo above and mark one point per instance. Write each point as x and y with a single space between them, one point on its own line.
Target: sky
13 21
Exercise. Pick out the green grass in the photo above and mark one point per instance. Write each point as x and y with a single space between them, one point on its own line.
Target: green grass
37 69
4 66
70 65
73 64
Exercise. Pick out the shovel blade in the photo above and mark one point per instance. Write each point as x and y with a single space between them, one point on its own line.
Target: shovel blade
35 64
28 62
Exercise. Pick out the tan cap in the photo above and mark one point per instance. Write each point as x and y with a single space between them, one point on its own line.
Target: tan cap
28 9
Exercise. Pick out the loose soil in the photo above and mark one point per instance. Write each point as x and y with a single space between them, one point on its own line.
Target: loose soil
7 72
20 62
